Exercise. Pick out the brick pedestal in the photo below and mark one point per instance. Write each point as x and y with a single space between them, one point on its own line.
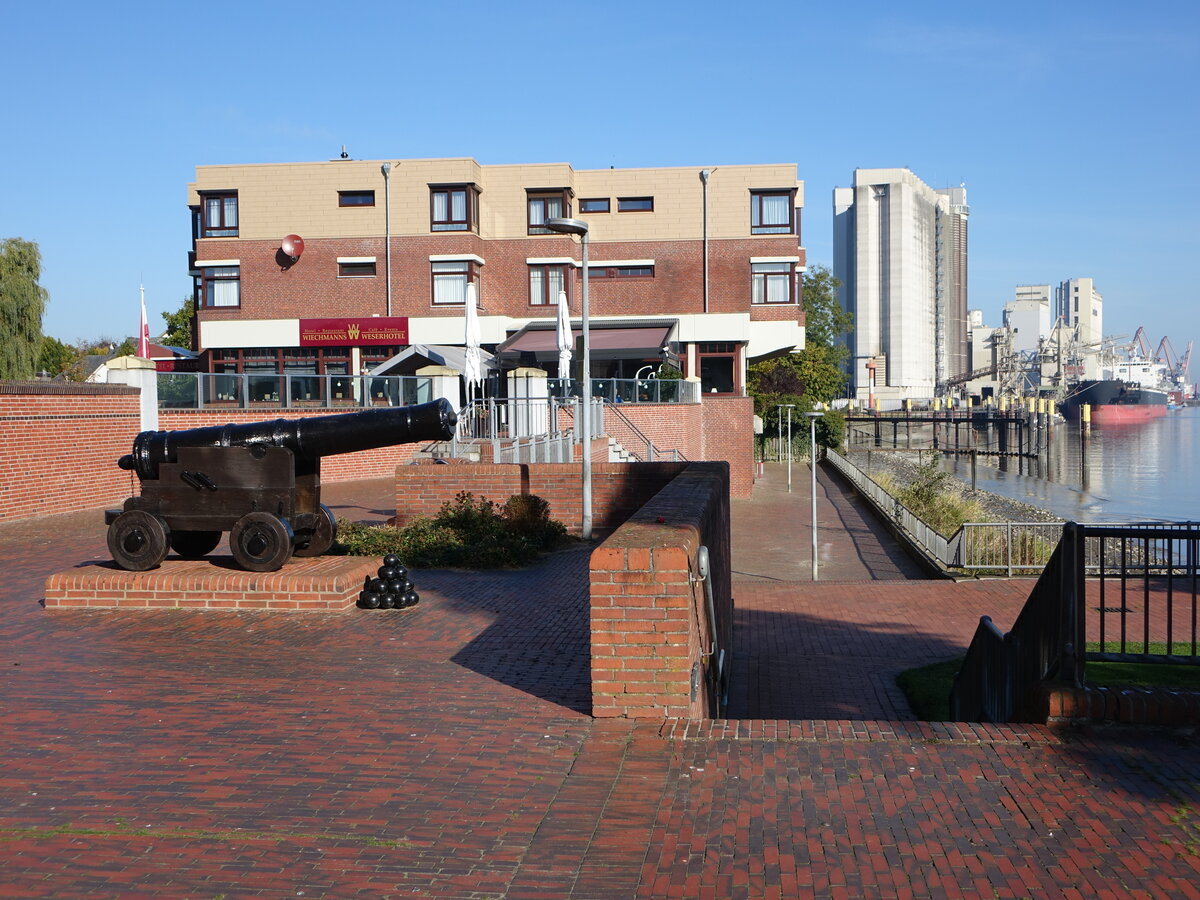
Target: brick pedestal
320 584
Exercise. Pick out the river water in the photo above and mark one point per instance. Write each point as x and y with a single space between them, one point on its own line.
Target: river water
1122 473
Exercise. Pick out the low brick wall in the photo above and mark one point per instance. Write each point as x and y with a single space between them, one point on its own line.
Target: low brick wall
1127 706
319 584
651 633
59 445
618 489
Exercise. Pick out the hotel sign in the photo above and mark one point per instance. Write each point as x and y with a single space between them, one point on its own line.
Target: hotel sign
368 331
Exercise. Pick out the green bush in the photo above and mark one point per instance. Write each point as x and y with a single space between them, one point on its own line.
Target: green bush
465 533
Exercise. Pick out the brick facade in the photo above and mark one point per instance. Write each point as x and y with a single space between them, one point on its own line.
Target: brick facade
59 445
311 286
656 651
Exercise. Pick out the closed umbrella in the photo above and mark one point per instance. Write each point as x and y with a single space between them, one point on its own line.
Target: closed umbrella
565 339
473 369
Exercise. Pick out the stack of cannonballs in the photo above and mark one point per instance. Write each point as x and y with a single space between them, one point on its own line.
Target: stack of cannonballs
390 588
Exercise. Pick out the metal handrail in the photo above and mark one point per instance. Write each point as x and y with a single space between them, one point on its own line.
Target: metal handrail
651 450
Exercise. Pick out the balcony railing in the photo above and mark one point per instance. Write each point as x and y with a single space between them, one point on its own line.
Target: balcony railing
203 390
629 390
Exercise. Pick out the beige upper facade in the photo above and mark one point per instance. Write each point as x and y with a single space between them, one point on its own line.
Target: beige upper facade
302 198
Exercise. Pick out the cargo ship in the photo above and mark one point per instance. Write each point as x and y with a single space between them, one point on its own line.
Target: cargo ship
1114 402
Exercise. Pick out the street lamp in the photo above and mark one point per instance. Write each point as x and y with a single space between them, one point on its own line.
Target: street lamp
812 455
789 407
579 227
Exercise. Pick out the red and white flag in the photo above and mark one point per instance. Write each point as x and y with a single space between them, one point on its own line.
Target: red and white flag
144 331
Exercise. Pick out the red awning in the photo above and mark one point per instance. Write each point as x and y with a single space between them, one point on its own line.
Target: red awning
630 341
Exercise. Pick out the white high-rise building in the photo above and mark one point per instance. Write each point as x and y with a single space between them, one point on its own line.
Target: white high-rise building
900 251
1080 306
1027 317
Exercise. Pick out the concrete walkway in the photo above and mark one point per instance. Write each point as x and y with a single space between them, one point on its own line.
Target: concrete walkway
445 751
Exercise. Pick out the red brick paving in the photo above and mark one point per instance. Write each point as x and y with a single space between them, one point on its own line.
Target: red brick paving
444 751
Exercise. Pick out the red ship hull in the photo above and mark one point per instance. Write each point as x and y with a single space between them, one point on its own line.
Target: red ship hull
1126 414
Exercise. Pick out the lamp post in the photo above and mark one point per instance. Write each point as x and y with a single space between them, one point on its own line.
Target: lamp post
789 407
579 227
812 455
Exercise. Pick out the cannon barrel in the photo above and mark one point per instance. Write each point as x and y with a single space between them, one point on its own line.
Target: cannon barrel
308 439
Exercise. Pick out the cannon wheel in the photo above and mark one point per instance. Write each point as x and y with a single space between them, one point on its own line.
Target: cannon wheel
194 544
323 535
261 542
138 541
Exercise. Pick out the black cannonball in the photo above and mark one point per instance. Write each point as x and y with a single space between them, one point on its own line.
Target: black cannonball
388 601
411 598
378 585
401 571
396 586
391 560
386 572
368 600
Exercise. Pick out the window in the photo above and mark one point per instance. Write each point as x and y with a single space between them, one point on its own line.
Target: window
772 282
450 281
220 214
594 205
635 204
620 271
544 284
221 286
717 362
452 207
356 198
771 212
547 204
356 269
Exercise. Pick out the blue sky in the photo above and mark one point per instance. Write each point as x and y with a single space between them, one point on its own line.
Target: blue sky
1073 125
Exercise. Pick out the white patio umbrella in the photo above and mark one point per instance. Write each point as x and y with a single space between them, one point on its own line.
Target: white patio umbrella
473 368
565 339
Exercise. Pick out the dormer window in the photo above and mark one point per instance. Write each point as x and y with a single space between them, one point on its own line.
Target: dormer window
219 214
453 207
547 203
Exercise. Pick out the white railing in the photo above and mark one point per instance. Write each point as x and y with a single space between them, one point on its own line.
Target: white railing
539 425
204 390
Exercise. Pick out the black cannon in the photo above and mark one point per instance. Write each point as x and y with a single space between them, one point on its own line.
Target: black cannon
261 482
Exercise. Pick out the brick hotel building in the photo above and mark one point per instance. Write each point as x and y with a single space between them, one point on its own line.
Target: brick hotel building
705 264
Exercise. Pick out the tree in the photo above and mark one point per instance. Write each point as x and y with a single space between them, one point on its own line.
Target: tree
179 324
22 304
55 356
816 373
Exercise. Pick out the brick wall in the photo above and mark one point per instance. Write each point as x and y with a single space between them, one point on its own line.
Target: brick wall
59 445
311 286
379 463
729 435
651 635
719 428
670 426
618 489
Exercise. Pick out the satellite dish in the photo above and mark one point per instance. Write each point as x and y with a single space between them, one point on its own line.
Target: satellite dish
292 246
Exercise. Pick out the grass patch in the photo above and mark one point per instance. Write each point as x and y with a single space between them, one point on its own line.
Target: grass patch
1150 675
927 688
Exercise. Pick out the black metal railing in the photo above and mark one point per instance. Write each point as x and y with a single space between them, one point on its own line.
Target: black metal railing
1109 592
1143 604
1000 674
